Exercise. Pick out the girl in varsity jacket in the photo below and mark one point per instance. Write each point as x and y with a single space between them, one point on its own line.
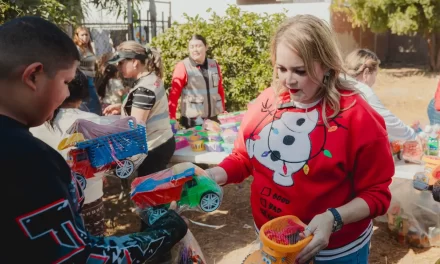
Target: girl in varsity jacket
314 147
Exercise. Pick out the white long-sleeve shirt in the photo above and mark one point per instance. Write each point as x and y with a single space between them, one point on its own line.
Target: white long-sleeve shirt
397 130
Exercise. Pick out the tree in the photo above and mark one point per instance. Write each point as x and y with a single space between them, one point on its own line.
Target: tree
401 17
239 41
60 12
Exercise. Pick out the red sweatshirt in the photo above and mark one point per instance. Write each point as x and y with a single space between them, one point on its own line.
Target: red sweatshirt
437 97
301 167
180 79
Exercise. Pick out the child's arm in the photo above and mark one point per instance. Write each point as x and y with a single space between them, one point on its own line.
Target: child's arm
46 222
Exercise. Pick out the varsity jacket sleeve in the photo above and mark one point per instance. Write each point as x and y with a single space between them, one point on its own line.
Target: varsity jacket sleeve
177 83
437 97
373 162
221 90
50 226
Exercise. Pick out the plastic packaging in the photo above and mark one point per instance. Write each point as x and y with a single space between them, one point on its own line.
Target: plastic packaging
214 136
229 127
233 117
280 241
98 148
210 125
153 194
227 148
189 251
414 216
412 151
213 146
181 142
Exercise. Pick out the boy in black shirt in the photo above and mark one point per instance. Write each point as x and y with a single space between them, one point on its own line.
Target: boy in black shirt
42 199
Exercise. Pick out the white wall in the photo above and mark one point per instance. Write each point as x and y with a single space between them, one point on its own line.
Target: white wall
194 7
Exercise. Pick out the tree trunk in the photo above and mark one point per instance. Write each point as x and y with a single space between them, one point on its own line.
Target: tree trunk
438 52
431 51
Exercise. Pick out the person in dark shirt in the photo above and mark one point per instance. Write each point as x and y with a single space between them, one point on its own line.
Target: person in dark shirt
42 198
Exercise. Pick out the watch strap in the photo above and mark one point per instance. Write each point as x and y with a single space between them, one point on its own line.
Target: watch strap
338 219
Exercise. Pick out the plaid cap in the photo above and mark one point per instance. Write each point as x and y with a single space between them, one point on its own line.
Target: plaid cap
122 55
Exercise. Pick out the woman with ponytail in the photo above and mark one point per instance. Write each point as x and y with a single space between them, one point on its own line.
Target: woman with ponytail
362 65
146 101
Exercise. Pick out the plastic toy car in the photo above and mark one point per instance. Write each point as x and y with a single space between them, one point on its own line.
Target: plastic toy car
105 152
154 193
79 162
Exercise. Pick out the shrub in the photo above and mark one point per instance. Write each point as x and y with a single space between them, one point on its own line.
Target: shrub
238 41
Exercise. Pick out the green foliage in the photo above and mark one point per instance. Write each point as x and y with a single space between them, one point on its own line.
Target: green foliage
402 17
238 41
60 12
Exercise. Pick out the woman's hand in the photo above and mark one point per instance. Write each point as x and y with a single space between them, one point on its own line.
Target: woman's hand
321 227
114 109
218 174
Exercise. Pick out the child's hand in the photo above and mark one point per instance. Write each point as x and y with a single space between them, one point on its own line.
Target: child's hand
114 109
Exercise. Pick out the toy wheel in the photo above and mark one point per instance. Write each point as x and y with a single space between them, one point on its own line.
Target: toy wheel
124 168
156 214
210 202
399 155
81 180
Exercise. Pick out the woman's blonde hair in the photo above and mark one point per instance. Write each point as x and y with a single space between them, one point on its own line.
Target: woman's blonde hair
153 62
360 59
312 39
78 42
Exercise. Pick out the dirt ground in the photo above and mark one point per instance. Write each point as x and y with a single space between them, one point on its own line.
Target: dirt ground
406 92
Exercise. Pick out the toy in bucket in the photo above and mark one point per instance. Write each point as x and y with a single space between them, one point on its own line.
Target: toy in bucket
281 242
153 194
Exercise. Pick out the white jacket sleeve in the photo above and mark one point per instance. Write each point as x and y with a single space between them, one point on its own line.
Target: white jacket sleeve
397 130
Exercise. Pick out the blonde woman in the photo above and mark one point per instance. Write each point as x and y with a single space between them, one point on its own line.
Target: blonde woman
363 65
146 101
87 66
315 148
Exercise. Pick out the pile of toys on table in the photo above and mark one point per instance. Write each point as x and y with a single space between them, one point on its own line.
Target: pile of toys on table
414 215
211 136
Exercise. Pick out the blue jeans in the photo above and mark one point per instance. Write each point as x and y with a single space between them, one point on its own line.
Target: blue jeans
92 104
433 115
358 257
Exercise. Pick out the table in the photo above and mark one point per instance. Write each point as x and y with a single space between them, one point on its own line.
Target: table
203 157
407 170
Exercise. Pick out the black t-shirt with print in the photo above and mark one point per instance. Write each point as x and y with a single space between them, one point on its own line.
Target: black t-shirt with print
41 215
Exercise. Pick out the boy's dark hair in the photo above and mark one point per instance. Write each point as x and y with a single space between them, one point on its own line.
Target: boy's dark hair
27 40
79 91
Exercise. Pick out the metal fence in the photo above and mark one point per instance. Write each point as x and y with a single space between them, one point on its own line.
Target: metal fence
107 36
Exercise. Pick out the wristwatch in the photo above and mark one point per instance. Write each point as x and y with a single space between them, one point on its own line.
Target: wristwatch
337 224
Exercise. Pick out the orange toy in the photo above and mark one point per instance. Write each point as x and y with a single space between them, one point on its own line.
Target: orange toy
280 240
